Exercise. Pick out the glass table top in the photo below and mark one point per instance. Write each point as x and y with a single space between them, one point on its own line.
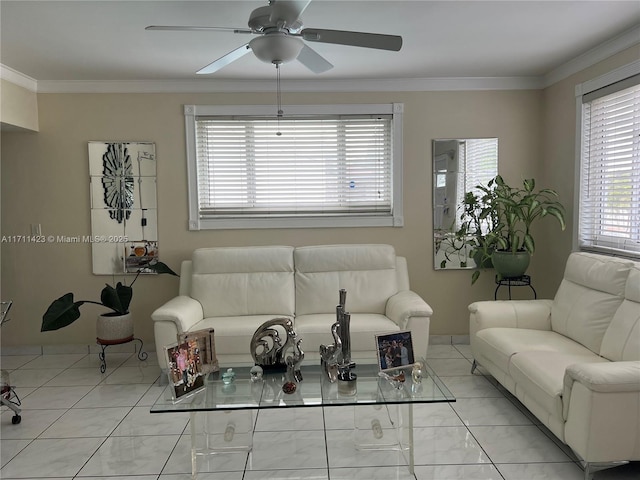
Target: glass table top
314 390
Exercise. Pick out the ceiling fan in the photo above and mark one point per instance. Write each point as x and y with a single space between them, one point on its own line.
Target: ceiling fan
281 34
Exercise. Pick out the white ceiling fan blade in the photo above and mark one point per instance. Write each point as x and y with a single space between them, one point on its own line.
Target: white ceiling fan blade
225 60
194 28
287 10
313 60
356 39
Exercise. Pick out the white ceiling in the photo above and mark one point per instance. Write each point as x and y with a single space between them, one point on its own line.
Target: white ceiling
106 40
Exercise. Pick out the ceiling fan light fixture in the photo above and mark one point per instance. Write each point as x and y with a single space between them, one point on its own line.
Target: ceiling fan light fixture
276 48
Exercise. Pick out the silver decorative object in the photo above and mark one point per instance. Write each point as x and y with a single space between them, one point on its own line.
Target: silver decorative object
416 373
117 181
336 358
270 343
396 381
256 373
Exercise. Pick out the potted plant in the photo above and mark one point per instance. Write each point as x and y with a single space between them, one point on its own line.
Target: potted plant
516 209
113 326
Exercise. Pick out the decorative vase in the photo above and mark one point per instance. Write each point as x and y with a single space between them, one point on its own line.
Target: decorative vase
113 328
510 264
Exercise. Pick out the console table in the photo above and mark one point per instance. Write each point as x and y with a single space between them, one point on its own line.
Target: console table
221 416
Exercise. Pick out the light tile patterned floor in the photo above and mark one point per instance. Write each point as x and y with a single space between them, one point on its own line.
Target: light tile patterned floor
80 424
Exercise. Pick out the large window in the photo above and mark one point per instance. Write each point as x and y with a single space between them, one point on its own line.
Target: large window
609 209
314 166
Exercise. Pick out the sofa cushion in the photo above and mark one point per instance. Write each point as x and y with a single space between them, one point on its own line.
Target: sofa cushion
367 272
540 376
500 344
315 330
244 281
590 293
233 335
622 339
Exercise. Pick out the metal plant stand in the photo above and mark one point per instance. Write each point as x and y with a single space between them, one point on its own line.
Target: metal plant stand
523 281
142 355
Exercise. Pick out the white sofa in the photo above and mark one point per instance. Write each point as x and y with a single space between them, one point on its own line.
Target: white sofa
574 361
236 289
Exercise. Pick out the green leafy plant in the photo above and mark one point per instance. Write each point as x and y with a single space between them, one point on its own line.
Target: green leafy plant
516 209
64 310
498 217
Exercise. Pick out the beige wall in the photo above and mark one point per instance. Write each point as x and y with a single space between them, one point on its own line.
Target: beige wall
45 181
559 161
18 106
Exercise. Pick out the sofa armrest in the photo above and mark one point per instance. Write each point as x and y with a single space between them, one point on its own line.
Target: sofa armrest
532 314
601 406
184 311
410 312
605 377
404 305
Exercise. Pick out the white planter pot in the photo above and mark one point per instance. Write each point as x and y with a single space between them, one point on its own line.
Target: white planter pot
113 329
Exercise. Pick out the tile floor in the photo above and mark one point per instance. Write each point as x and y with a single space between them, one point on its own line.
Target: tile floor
80 424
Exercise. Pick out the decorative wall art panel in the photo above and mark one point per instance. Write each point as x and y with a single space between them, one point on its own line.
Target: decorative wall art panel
123 206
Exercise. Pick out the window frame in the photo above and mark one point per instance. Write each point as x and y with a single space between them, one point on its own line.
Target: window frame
602 82
395 219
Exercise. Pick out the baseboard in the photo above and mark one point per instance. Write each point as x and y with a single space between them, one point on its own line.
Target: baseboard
449 340
22 350
130 347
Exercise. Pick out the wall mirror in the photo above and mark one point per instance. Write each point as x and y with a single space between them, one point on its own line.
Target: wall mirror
459 164
123 206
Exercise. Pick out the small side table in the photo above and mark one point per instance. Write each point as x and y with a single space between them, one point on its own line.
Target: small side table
523 281
142 355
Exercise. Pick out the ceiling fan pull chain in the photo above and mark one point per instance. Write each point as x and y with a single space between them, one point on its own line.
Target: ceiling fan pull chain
278 98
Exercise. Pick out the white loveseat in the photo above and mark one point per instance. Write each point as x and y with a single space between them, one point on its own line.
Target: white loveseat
574 361
236 289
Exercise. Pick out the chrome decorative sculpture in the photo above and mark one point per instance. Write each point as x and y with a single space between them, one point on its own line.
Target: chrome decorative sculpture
336 358
268 347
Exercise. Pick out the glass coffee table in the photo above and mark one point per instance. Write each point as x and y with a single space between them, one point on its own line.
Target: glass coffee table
222 416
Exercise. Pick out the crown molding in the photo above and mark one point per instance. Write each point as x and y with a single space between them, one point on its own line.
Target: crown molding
609 78
17 78
352 85
603 51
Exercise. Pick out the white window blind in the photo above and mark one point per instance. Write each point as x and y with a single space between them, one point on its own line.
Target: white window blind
609 209
328 165
479 157
481 162
314 166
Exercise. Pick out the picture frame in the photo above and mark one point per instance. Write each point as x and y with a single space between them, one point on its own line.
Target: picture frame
184 370
203 343
394 350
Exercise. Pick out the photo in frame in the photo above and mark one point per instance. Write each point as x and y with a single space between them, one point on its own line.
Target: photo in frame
395 350
185 370
202 343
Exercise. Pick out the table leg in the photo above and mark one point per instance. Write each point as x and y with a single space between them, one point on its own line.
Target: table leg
194 446
217 432
383 432
405 439
411 452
